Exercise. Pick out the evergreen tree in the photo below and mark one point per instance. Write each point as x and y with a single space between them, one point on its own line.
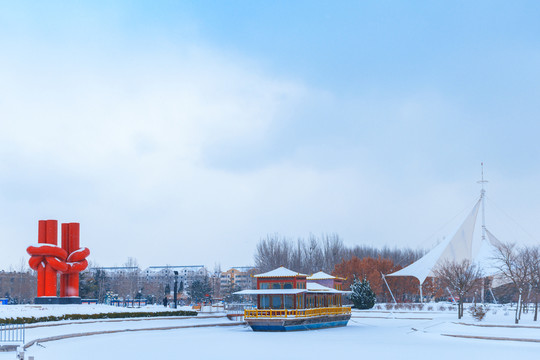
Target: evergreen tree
88 287
362 296
181 287
200 290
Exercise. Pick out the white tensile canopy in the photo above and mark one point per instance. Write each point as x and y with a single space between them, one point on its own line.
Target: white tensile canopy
460 247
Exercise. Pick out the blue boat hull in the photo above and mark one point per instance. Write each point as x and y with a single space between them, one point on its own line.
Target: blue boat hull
297 324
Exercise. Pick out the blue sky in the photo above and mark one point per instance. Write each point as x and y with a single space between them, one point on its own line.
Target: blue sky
182 133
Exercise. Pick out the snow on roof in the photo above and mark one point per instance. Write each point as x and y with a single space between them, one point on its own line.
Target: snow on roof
314 287
311 287
270 292
321 275
280 272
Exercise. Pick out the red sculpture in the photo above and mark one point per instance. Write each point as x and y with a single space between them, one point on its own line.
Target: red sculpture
48 259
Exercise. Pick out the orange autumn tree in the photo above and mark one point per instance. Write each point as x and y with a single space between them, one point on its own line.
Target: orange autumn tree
404 288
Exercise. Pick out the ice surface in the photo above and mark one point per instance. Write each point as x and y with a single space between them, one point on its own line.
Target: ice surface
403 334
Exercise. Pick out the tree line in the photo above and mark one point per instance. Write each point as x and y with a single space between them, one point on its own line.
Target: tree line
321 253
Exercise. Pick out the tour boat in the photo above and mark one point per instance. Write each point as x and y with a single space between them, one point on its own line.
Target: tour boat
288 301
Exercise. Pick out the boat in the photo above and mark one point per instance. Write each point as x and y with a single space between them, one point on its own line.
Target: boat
291 301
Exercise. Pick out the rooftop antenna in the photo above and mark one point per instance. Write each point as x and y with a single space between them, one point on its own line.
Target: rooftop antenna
482 198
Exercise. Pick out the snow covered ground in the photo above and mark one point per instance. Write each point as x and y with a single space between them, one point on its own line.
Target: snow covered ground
403 334
7 311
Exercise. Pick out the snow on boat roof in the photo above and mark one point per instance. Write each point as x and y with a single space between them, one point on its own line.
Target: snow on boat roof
321 275
270 292
311 288
280 272
314 287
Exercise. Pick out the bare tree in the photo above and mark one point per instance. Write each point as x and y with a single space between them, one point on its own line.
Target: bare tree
534 265
312 254
399 256
272 252
334 252
461 277
320 253
514 265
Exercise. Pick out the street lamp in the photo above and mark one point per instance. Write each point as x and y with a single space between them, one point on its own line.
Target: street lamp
175 295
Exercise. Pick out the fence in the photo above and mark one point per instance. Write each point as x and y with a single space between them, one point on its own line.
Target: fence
89 301
128 303
11 333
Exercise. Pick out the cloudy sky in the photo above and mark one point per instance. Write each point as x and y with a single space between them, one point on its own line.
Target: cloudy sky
183 132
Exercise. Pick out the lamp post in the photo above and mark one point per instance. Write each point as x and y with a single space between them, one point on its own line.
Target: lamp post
175 295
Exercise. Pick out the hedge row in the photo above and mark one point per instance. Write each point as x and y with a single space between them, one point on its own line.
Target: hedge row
114 315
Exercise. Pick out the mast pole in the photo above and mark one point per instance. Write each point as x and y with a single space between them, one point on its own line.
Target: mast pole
483 199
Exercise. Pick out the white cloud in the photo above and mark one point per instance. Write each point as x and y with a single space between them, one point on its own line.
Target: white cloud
120 144
119 147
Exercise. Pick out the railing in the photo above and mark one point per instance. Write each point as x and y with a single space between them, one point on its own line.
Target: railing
10 333
129 303
285 313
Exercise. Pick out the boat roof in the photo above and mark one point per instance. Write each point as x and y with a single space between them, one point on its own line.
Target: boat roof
321 275
318 288
279 272
310 288
270 292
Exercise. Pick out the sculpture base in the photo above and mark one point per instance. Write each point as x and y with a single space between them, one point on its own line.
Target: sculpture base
57 300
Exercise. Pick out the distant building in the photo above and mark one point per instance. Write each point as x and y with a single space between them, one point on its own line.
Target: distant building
165 274
116 270
152 283
237 278
186 273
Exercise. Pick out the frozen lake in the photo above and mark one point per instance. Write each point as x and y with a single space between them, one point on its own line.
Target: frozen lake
400 335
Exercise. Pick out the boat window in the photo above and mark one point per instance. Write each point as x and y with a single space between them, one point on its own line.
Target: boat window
289 302
265 301
299 301
276 302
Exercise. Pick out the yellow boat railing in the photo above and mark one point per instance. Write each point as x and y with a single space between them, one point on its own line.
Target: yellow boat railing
283 313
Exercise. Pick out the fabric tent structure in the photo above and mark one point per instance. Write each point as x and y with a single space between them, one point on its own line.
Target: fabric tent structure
462 246
457 248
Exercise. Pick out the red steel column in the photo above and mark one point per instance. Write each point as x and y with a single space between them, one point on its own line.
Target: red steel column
65 246
42 229
51 237
74 245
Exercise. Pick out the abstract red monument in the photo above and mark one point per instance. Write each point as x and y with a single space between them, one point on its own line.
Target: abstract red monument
48 259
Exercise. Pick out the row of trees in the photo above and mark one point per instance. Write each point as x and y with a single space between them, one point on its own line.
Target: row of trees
404 289
318 253
518 267
131 283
